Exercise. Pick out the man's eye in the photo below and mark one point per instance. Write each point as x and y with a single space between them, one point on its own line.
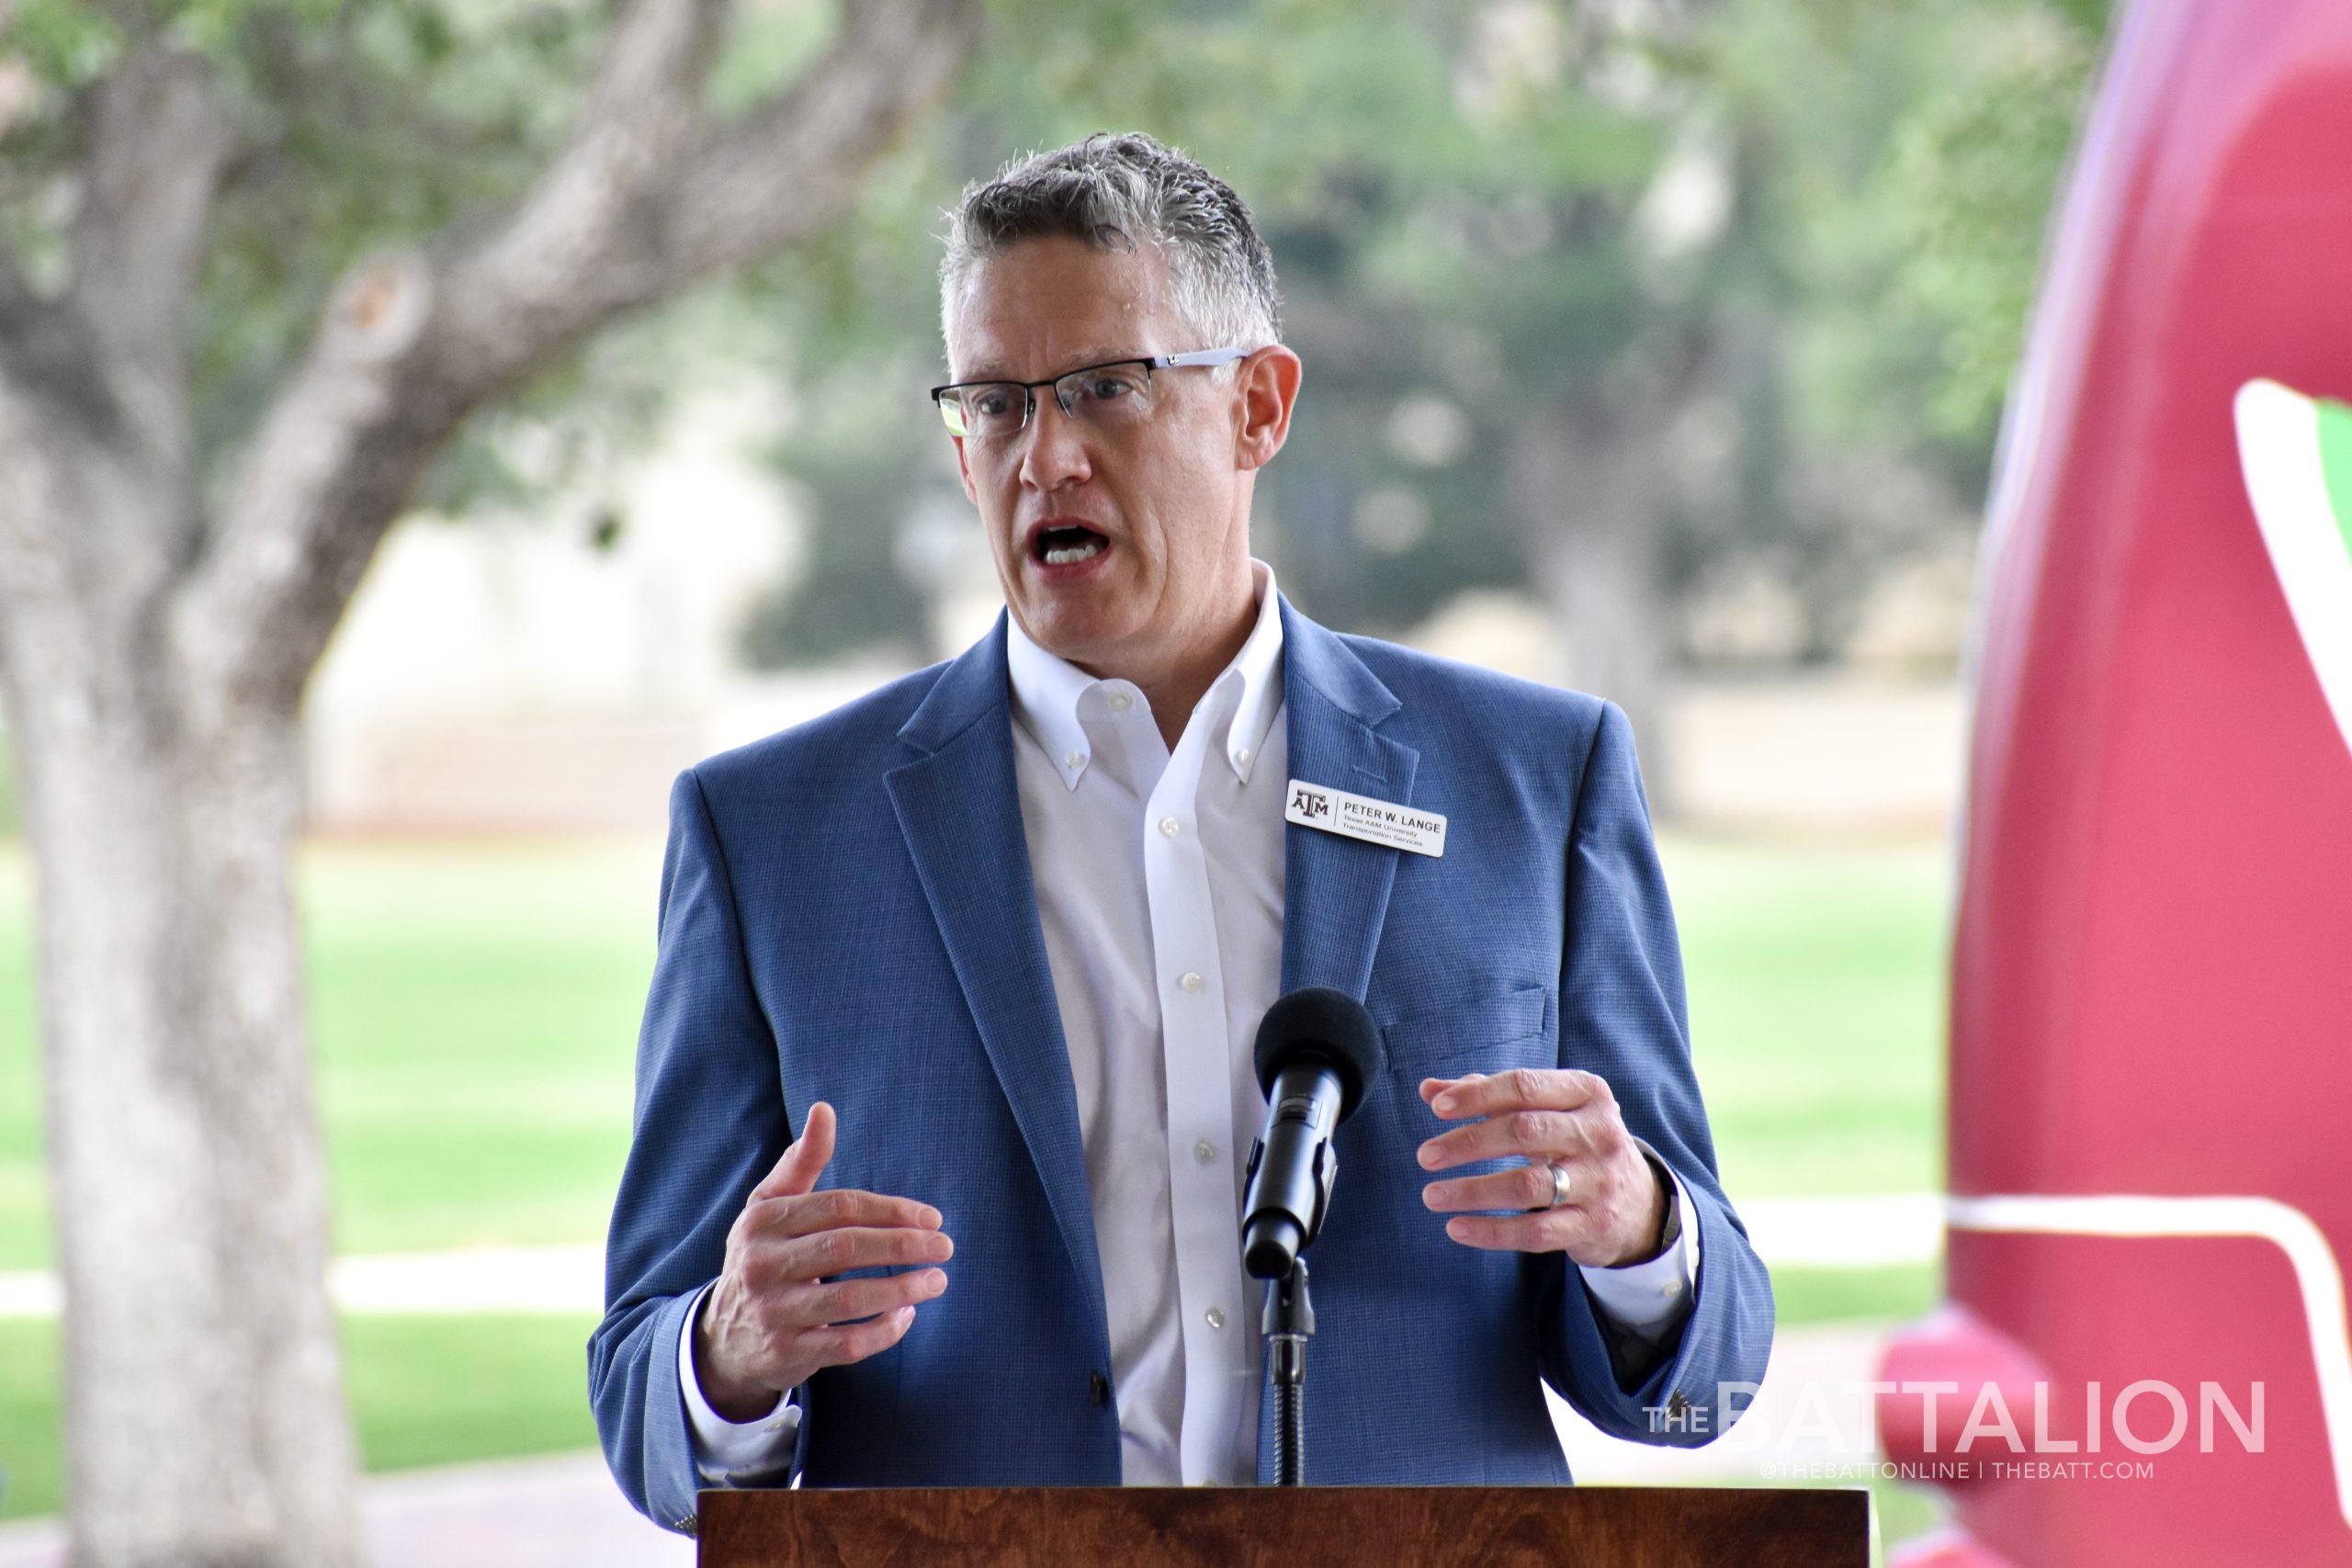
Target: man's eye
1111 387
991 404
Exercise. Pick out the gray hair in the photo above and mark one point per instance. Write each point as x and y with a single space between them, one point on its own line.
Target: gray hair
1115 193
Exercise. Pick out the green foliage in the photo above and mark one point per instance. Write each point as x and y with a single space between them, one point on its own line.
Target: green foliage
63 43
365 126
1912 203
771 44
1972 177
1455 198
1462 201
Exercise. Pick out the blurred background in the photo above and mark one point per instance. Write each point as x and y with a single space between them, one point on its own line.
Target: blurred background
1653 347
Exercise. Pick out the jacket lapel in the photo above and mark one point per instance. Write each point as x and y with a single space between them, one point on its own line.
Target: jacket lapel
960 810
1335 893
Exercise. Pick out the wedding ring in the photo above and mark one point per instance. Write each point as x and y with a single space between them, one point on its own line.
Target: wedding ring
1560 1185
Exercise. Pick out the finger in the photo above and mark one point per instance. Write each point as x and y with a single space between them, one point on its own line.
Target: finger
1521 1187
820 1255
1521 1089
804 1213
1553 1230
1532 1135
1433 1088
855 1341
803 1161
846 1300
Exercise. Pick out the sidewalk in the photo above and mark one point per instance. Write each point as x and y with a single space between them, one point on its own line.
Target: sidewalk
562 1511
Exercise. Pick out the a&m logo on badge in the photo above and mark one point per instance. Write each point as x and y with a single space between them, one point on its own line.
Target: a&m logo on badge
1361 816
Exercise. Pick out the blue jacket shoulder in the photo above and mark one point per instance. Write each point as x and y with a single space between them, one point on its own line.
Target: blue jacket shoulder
1417 677
1470 699
853 742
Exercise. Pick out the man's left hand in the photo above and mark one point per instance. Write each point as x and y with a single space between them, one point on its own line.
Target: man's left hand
1550 1116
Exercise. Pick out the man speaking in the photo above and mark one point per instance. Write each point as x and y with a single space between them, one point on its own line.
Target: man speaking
946 1087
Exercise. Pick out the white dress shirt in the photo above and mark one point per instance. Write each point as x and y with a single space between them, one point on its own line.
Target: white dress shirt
1159 880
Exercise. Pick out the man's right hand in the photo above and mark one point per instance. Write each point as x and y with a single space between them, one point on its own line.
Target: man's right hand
774 1316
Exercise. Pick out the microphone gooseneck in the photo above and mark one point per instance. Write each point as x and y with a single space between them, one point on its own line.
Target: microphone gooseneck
1318 1054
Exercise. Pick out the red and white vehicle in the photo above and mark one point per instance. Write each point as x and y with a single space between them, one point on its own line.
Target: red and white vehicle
2151 1108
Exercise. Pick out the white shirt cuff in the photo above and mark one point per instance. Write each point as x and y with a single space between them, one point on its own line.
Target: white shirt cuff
1648 1297
728 1452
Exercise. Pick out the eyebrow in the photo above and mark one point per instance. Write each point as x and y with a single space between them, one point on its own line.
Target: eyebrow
991 370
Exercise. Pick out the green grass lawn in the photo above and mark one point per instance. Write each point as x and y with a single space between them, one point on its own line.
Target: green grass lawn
475 1014
475 1010
1816 986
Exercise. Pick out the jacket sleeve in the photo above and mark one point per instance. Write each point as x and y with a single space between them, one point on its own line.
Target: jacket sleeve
1623 1016
710 1121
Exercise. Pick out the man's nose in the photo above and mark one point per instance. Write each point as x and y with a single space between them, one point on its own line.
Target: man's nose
1056 447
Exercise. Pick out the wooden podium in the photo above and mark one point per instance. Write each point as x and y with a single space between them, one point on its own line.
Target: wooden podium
1286 1526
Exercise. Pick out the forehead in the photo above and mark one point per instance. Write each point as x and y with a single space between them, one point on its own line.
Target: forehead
1048 305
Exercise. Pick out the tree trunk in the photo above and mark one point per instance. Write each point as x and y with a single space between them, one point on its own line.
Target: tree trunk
189 1183
153 652
1589 509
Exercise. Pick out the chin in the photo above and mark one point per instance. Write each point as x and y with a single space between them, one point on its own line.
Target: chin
1070 631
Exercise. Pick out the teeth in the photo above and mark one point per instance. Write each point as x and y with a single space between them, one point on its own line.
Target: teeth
1078 552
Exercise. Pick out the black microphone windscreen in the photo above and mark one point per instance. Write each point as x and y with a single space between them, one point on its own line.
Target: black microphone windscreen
1319 1024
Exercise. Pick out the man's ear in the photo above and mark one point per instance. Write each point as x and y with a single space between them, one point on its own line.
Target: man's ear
1266 387
964 469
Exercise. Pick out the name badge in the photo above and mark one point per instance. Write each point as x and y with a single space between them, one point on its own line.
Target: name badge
1361 816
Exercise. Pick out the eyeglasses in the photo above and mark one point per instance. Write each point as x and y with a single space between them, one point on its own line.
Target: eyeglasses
1110 397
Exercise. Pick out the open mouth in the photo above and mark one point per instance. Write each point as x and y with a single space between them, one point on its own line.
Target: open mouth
1068 546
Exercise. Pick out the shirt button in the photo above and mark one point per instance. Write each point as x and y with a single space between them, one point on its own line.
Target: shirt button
1119 701
1076 759
1169 825
1192 982
1205 1151
1217 1318
1242 757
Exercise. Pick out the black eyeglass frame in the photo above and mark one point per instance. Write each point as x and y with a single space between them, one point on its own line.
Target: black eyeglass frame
1150 362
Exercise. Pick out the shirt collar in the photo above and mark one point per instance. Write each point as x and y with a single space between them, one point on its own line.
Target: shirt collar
1047 690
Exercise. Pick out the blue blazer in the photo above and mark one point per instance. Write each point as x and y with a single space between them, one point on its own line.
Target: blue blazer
847 914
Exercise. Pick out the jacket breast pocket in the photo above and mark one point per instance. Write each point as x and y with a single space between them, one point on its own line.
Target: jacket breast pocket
1486 1031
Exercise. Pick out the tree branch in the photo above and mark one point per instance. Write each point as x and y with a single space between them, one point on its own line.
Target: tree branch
47 360
544 272
905 55
646 197
162 135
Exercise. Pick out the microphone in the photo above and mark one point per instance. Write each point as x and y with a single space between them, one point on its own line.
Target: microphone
1317 1051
